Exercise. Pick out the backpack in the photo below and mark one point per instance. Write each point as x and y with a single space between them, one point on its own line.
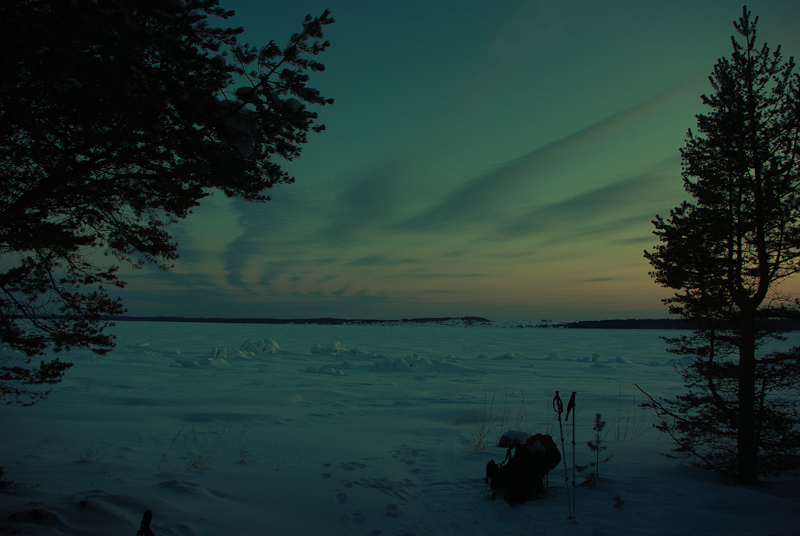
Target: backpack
521 476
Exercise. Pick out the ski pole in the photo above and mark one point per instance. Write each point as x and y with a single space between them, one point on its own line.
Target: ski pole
558 406
571 407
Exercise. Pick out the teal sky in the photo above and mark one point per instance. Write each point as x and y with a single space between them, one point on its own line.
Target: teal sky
500 159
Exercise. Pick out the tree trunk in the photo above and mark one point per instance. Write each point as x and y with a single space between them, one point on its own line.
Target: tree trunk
747 446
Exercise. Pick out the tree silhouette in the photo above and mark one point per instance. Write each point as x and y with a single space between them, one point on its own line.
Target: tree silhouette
726 254
116 119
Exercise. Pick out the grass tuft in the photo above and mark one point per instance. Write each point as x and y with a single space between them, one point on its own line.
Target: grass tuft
91 454
629 425
489 426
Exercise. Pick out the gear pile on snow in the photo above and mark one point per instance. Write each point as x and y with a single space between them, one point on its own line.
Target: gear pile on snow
521 476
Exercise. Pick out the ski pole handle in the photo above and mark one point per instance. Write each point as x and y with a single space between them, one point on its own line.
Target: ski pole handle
558 406
571 407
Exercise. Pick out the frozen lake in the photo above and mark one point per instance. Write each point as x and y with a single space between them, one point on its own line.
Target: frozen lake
354 430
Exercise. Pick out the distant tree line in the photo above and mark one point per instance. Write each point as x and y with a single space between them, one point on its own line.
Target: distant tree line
468 320
778 324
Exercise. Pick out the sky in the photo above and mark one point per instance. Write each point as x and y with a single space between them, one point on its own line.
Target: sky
495 159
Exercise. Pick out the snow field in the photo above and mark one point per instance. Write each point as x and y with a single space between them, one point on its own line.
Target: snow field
355 430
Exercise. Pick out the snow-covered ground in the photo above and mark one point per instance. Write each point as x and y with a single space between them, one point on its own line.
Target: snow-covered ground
356 430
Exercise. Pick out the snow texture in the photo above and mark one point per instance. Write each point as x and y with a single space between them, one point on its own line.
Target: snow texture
243 429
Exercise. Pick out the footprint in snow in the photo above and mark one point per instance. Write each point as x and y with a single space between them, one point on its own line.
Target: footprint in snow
352 466
355 517
392 510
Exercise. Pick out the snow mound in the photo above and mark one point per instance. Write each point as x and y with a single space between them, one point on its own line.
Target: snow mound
333 348
331 371
263 346
594 359
416 363
508 356
356 352
512 355
597 361
207 362
228 353
134 353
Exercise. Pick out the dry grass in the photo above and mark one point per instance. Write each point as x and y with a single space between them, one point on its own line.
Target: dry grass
491 423
91 453
629 425
206 454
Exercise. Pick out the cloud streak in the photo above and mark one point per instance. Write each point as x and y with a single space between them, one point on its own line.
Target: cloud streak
571 189
583 161
600 209
503 159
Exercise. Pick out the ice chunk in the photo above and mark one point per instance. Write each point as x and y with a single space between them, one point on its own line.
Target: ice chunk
263 346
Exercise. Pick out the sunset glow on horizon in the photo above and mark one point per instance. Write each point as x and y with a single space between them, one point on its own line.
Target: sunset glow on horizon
502 161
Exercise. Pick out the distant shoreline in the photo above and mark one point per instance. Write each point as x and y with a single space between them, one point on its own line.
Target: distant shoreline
462 320
466 321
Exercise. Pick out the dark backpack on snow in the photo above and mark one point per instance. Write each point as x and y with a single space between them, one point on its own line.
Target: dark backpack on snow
521 476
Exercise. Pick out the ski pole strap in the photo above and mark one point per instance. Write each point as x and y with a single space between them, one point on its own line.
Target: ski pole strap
508 456
558 406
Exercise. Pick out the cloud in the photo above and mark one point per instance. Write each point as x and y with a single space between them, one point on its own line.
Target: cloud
411 221
627 200
367 203
315 222
381 260
582 161
602 279
209 230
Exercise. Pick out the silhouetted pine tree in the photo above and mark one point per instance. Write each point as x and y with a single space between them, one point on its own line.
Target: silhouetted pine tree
725 254
116 119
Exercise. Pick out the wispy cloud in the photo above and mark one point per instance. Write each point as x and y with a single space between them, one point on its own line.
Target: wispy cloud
612 206
584 162
584 184
366 203
382 260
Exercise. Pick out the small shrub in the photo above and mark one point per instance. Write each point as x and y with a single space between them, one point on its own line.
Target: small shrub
91 454
204 456
244 456
597 447
201 462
